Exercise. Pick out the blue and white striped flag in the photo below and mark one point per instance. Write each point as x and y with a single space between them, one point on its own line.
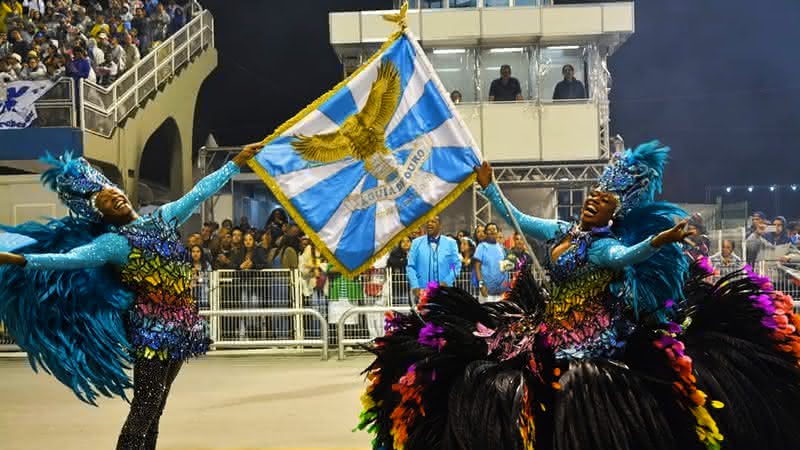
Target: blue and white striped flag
377 155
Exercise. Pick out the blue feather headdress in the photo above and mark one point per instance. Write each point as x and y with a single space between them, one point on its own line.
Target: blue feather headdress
76 182
635 175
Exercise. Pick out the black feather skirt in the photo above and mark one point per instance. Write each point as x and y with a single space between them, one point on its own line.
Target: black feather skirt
724 373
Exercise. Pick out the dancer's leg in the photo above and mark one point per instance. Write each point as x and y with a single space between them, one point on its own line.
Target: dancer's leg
152 433
149 380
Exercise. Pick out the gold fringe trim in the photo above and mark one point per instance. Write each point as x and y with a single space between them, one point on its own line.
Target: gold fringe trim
287 203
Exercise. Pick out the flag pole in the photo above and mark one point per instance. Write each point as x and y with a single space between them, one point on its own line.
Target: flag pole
538 272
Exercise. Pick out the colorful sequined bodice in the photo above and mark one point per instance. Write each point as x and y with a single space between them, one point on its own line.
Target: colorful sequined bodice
581 315
164 320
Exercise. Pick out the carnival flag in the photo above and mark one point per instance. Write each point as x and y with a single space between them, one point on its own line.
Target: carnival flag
377 155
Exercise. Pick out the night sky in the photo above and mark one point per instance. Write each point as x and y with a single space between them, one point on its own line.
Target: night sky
716 80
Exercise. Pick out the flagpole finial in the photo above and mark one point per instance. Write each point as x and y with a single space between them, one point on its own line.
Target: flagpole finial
399 18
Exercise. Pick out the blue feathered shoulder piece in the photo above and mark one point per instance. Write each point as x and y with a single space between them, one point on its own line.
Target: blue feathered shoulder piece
649 284
635 176
70 323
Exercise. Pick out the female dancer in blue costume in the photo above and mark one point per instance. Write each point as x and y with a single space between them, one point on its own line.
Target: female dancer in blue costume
106 287
624 346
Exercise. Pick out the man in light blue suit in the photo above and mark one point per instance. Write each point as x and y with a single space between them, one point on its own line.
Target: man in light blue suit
432 258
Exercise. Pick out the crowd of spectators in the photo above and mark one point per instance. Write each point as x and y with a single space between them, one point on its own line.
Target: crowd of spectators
93 39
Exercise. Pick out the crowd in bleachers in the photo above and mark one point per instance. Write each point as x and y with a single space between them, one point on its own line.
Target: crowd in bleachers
93 39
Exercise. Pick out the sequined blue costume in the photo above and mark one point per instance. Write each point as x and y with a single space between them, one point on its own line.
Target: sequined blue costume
94 298
156 267
621 347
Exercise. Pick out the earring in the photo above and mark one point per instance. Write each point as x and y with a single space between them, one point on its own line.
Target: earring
610 222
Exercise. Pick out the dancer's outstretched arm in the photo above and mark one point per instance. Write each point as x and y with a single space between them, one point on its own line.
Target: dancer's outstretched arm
612 254
541 229
107 248
180 210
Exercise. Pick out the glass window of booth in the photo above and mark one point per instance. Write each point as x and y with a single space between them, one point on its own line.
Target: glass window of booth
463 3
557 61
493 60
456 69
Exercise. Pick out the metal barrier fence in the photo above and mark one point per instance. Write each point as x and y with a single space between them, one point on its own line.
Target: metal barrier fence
272 308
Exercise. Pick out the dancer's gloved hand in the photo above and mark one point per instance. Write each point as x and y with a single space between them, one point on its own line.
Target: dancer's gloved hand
484 173
12 258
247 153
675 234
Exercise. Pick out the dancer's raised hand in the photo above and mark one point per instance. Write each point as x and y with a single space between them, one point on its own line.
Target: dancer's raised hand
11 259
675 234
484 173
247 153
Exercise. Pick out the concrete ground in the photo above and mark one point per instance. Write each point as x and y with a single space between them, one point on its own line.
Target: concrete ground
246 402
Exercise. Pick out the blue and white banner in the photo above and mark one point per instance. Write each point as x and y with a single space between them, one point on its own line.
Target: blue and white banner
379 154
17 100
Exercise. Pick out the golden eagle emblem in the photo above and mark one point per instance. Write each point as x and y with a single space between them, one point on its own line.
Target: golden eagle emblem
362 134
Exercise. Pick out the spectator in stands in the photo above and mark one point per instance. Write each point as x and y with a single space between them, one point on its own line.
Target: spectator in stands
13 66
6 76
178 20
222 256
9 9
492 281
455 97
100 26
480 234
160 21
117 54
96 54
398 258
18 45
520 252
196 239
141 23
201 268
215 245
132 54
726 258
249 258
697 244
33 70
433 258
80 67
755 220
244 224
779 236
569 87
793 230
207 233
314 285
756 240
277 219
285 257
506 88
466 250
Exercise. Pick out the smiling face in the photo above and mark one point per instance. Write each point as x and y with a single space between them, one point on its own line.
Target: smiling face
114 206
598 210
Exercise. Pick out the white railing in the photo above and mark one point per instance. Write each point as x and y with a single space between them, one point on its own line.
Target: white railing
56 108
104 107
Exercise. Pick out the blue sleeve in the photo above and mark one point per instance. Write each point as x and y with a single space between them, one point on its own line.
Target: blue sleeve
610 253
108 248
453 264
411 267
181 209
541 229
